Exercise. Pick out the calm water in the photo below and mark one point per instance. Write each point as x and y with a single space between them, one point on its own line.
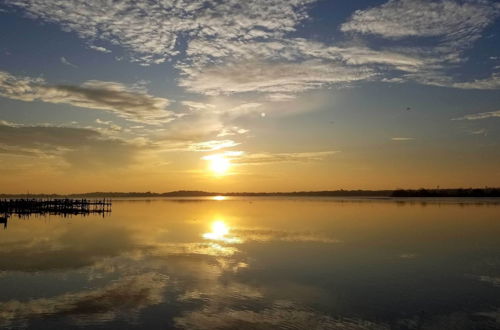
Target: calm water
256 264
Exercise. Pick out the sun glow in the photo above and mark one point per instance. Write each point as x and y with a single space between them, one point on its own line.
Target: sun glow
218 164
220 232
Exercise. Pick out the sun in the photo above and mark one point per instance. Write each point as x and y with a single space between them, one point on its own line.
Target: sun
219 231
219 164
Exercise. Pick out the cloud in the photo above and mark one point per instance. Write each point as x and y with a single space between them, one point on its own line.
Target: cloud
204 122
242 158
296 64
68 63
203 52
436 76
129 103
109 127
402 139
481 131
282 315
212 145
421 18
128 294
223 291
194 126
230 47
100 49
495 281
266 158
269 77
440 31
490 83
150 30
198 105
78 147
265 235
281 97
234 130
66 249
481 115
225 39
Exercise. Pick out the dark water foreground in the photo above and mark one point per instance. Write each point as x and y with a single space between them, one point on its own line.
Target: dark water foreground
256 264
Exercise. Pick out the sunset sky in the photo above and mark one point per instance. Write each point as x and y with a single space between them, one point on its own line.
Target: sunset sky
254 95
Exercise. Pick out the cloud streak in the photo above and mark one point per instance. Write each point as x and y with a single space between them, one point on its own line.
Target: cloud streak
67 63
402 139
242 158
267 158
421 18
269 77
489 83
128 103
129 294
78 147
481 115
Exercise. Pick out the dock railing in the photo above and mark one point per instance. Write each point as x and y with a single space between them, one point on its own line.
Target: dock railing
58 206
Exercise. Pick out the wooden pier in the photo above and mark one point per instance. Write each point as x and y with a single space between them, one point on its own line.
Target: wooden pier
59 206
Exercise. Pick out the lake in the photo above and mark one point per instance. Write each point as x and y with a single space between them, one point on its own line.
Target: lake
256 263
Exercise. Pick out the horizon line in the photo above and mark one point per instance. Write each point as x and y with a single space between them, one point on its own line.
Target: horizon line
199 193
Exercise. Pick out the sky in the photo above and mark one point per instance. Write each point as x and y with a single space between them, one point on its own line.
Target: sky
255 95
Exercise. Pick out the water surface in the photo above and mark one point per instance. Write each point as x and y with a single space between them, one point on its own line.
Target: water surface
256 263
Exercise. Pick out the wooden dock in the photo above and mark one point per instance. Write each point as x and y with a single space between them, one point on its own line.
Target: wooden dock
59 206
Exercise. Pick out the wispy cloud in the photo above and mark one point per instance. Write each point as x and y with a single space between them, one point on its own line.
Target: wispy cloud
492 82
212 145
222 57
126 102
129 294
203 52
110 127
68 63
242 158
283 314
100 49
264 235
198 105
269 77
231 47
481 115
234 130
422 18
283 67
402 139
149 30
76 147
440 31
495 281
481 131
266 158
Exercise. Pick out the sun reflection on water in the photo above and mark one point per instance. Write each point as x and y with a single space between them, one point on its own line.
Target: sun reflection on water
220 232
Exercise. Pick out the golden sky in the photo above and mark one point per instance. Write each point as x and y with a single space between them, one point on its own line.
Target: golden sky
276 95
